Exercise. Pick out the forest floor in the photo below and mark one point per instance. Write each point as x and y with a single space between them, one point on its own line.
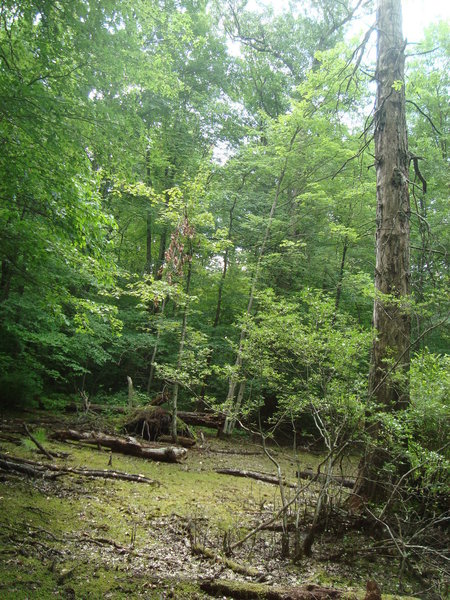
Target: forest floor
75 537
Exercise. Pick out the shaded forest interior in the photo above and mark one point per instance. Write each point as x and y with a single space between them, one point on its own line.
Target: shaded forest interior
223 299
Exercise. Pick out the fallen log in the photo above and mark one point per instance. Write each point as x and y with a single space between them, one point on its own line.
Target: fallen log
181 441
123 445
227 562
210 420
254 475
38 469
11 465
336 479
258 591
235 452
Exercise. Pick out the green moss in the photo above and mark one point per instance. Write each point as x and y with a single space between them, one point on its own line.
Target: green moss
45 526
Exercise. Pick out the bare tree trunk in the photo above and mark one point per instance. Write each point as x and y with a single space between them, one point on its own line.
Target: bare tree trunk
389 386
5 279
180 351
130 391
392 273
159 265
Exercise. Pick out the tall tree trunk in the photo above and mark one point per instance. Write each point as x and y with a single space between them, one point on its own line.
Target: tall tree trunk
392 273
5 279
176 385
163 238
389 371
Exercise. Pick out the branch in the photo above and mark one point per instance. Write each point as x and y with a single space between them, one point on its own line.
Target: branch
38 444
425 115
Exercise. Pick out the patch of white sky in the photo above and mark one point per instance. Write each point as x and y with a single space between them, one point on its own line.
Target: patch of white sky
417 14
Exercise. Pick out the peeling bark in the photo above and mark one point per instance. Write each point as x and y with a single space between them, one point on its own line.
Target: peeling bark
392 273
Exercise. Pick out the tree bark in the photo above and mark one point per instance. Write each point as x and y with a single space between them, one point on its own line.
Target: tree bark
130 391
392 273
202 419
272 479
390 358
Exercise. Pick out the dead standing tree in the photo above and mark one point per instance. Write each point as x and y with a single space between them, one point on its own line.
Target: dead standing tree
389 373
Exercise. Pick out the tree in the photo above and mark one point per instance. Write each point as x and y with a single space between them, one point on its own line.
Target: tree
390 359
390 353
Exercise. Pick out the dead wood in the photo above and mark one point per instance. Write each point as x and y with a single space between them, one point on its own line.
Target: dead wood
152 423
227 562
254 475
250 591
160 399
38 444
11 465
320 477
211 420
149 422
181 441
38 469
234 452
13 439
124 445
101 541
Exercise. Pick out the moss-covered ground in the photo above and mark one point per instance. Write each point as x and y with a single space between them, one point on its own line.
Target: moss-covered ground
74 537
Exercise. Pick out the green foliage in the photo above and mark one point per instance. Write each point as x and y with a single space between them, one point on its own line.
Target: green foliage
311 358
429 414
113 121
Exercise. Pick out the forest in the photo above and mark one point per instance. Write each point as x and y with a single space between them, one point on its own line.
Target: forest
224 247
